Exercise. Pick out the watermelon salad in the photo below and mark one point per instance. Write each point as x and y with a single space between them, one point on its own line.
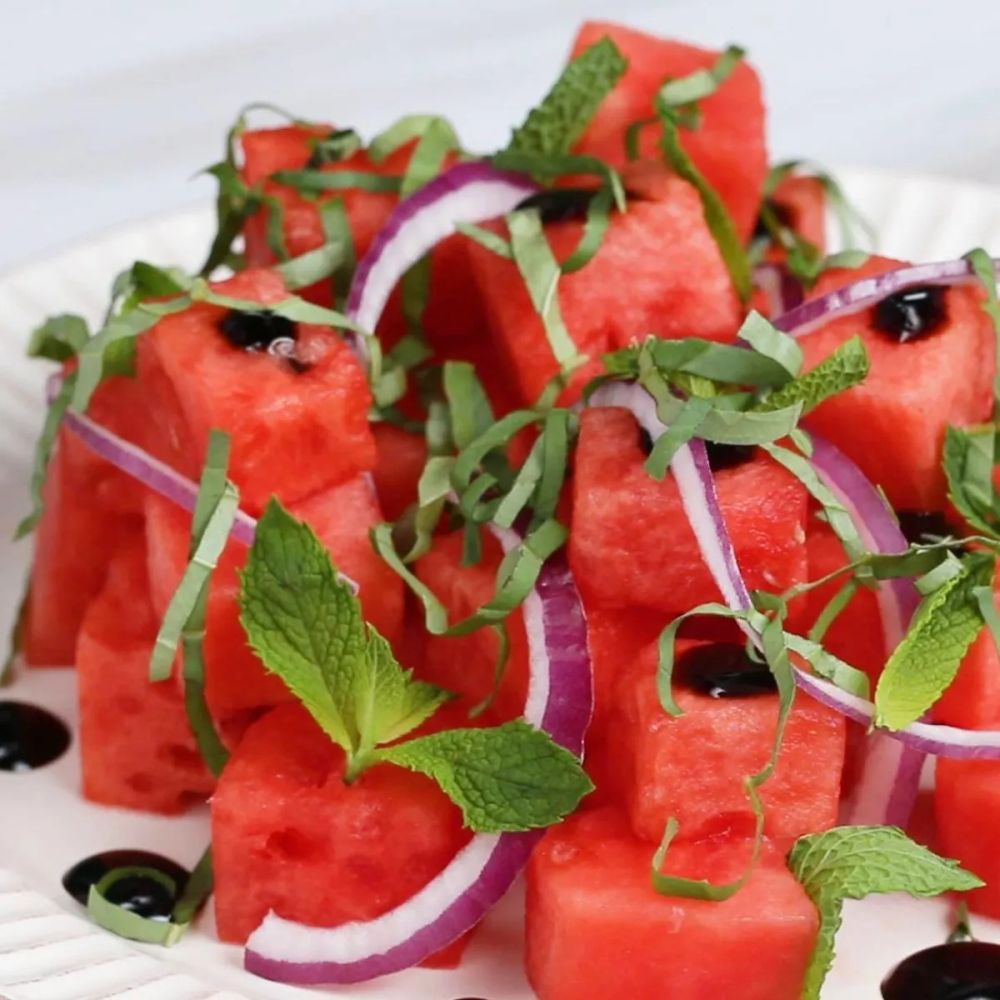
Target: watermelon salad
565 510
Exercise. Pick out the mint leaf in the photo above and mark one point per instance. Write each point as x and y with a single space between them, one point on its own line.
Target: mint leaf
770 342
388 702
968 458
702 83
59 338
924 664
847 366
512 777
985 272
303 621
555 124
858 861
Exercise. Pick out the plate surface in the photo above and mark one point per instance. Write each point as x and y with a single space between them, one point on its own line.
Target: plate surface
46 826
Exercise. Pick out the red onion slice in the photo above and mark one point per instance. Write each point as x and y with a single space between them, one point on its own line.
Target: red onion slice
560 701
468 192
869 291
890 770
782 292
713 538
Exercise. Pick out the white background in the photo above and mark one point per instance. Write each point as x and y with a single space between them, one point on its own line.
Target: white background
108 107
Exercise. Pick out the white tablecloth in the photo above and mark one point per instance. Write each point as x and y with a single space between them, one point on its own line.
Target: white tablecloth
108 107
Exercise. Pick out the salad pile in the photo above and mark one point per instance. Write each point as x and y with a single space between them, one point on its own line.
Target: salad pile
567 508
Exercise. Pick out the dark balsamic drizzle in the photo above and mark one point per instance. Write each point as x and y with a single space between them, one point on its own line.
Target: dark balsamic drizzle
728 456
917 525
912 313
139 893
560 204
263 331
724 670
30 737
963 970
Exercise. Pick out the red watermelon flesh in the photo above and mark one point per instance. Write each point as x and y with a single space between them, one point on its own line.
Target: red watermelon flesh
294 432
631 545
595 926
400 457
893 424
289 835
693 766
967 811
729 147
135 743
856 635
90 508
801 205
466 664
660 251
453 316
236 681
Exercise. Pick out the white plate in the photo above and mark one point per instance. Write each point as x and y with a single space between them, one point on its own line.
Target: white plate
44 824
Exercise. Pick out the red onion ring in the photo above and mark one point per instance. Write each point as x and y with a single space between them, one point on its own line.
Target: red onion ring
468 192
887 788
868 291
701 504
560 701
782 291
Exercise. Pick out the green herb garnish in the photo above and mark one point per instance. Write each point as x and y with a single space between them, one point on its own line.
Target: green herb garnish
306 625
858 861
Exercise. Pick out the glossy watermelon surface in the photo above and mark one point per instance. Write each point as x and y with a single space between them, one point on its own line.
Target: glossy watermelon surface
90 508
631 544
290 836
886 424
596 927
693 766
236 681
295 429
728 147
135 742
660 250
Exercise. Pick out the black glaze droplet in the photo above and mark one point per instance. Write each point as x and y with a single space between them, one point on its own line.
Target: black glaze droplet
911 314
30 737
138 893
728 456
724 670
964 970
256 331
560 204
916 525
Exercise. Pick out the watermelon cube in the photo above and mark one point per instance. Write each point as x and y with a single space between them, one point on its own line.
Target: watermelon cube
236 681
967 811
136 746
289 835
296 428
631 545
466 664
595 927
729 146
893 424
692 766
972 701
90 508
399 460
658 271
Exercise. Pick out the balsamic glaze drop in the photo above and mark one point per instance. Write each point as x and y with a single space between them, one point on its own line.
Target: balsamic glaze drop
560 204
916 524
727 456
256 331
724 670
30 737
138 893
912 313
964 970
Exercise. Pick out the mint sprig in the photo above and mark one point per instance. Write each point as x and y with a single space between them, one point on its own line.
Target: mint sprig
560 119
305 624
858 861
925 663
847 367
